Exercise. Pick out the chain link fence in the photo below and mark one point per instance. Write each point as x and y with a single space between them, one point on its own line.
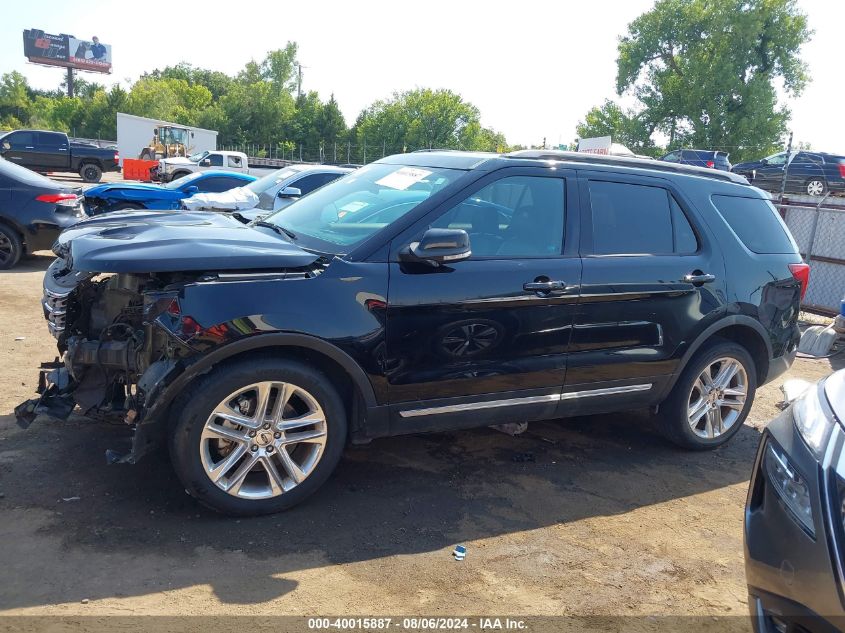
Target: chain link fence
818 225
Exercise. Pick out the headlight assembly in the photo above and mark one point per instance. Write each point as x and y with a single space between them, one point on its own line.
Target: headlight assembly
790 486
812 420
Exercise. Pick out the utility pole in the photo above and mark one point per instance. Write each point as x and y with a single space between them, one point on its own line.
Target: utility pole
299 81
70 82
786 169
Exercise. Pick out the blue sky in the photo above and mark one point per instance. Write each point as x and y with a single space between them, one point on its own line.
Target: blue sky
533 67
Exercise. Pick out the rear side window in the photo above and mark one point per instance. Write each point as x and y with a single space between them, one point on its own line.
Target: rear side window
756 223
633 219
48 140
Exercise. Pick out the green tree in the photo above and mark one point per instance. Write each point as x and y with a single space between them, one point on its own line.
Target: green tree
624 126
705 71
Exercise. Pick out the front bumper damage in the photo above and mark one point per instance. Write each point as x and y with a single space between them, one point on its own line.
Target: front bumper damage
120 349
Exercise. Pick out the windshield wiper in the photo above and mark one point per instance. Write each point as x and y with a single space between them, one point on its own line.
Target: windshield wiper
278 229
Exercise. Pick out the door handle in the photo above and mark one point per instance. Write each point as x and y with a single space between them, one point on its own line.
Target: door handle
544 286
697 277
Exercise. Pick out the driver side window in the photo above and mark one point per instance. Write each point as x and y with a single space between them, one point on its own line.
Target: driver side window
517 216
216 160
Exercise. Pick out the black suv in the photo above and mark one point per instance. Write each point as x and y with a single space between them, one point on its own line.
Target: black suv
423 292
699 158
808 173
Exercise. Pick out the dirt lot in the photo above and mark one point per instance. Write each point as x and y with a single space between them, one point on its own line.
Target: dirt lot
608 519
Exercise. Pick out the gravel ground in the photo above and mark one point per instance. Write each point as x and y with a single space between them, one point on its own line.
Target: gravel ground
607 519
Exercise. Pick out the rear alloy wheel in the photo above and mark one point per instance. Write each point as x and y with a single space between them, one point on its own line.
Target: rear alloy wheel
258 437
815 187
11 248
711 398
90 173
717 398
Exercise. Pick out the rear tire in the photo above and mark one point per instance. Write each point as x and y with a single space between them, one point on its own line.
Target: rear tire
815 187
11 247
258 463
179 174
697 419
90 172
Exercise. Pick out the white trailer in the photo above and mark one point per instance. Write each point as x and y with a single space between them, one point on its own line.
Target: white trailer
134 133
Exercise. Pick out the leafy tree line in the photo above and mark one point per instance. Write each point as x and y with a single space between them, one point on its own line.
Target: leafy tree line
704 74
260 105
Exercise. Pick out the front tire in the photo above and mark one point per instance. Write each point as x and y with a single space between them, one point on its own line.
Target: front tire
90 172
712 397
257 437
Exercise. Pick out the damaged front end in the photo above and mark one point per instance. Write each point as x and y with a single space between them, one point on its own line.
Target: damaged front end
119 335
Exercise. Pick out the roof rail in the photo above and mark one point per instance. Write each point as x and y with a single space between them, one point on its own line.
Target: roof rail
624 161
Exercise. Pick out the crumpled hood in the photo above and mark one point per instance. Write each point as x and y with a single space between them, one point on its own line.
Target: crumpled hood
146 242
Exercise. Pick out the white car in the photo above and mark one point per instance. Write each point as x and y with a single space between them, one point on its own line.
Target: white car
178 166
271 193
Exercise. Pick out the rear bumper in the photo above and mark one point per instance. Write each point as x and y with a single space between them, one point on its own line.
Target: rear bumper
780 365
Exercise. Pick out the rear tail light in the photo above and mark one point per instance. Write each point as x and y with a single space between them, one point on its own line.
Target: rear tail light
116 157
801 272
842 169
60 199
710 164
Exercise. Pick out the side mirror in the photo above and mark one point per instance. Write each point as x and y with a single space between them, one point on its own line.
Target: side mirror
764 161
439 246
206 162
191 190
7 145
290 192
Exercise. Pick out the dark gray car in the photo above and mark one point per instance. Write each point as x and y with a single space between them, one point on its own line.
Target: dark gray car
33 211
794 516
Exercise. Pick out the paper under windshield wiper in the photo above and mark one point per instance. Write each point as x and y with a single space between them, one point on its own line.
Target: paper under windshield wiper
277 228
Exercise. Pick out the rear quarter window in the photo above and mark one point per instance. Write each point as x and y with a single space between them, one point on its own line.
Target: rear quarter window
756 223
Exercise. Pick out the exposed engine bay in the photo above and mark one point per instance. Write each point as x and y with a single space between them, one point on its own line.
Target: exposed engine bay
107 333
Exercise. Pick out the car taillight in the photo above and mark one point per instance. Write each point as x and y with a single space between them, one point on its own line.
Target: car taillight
842 169
61 199
116 157
710 164
801 273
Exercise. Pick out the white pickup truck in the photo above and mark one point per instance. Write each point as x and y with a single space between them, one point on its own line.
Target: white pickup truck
178 166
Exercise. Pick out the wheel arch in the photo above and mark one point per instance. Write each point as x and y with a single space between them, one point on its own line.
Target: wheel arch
739 329
346 375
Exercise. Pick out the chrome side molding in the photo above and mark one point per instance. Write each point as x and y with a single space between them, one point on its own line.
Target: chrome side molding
510 402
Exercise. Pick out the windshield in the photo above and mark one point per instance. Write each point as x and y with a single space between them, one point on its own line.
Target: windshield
181 183
345 212
776 159
266 187
195 158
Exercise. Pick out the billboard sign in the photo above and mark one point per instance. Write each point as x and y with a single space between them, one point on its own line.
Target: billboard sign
67 51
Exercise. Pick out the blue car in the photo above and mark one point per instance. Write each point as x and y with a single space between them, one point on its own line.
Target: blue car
139 195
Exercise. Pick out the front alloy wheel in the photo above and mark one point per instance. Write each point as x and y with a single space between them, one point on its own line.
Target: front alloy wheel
263 440
257 436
